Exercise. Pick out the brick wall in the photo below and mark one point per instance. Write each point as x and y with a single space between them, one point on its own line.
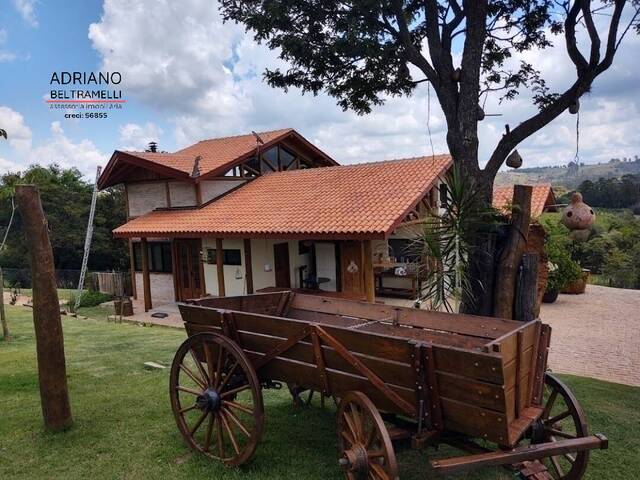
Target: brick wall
182 194
144 197
161 288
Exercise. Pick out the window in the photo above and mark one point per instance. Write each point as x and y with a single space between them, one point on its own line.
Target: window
403 250
159 257
231 256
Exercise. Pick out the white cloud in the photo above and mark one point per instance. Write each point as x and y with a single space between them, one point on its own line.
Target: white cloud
27 10
58 148
18 133
205 78
5 56
137 137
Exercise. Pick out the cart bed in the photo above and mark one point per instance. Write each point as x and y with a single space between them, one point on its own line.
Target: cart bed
478 376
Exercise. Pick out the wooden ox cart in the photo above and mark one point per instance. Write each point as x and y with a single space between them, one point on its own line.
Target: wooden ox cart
432 377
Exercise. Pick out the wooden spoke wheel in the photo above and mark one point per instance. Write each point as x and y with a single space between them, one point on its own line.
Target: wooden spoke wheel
216 398
562 418
366 451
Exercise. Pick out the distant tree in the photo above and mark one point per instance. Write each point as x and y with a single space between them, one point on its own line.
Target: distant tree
66 198
621 192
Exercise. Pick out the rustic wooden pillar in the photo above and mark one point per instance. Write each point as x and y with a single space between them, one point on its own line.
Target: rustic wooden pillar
367 271
527 288
198 194
220 267
132 267
505 283
52 375
3 319
146 280
174 270
248 266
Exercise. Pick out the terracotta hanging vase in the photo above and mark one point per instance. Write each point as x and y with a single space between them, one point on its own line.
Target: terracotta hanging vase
578 217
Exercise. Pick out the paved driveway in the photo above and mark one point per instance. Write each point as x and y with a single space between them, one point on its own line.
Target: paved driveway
596 334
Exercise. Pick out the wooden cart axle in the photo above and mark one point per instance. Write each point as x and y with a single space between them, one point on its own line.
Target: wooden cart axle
520 454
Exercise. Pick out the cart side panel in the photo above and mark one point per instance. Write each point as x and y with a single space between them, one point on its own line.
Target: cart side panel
470 386
390 359
519 352
266 303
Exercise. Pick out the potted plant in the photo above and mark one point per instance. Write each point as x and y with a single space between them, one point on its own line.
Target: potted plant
562 269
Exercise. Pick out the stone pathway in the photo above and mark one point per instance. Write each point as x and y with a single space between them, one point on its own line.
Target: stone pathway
596 334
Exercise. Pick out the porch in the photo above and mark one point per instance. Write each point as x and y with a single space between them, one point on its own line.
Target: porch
165 271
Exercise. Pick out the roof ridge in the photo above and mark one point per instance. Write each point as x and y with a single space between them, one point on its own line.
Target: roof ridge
244 135
363 164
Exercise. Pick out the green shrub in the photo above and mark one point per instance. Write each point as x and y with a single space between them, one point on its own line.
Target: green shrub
563 269
90 298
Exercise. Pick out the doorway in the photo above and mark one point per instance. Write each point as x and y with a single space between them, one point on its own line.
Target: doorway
188 268
281 265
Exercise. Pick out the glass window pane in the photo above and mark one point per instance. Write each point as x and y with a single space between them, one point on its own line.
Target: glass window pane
232 257
286 159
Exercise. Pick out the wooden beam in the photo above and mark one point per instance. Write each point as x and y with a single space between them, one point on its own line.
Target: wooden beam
248 266
146 281
132 267
220 267
367 271
520 454
198 194
174 270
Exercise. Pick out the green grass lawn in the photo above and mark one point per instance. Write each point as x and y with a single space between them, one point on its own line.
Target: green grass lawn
124 427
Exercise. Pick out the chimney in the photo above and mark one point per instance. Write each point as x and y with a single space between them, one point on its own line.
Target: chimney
153 147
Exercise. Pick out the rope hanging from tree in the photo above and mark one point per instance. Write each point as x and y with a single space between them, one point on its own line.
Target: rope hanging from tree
6 233
433 153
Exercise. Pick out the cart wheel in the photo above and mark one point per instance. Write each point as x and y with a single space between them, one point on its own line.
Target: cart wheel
216 398
366 451
562 418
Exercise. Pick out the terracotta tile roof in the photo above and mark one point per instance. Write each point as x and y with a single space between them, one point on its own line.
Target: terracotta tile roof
542 192
217 155
351 201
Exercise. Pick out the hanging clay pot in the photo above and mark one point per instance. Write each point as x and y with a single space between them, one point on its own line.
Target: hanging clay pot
574 107
480 114
514 160
578 217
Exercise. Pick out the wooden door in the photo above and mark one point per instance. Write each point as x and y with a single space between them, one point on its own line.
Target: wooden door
281 265
188 268
351 269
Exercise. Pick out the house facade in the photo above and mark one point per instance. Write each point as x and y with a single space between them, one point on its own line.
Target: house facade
235 215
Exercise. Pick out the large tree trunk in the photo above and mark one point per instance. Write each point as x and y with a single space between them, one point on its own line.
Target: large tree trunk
52 375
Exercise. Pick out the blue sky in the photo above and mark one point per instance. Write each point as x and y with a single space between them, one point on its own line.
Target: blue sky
187 76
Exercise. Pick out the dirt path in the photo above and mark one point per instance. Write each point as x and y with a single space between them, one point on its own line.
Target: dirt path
596 334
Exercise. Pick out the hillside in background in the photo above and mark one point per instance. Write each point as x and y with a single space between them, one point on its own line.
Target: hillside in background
571 175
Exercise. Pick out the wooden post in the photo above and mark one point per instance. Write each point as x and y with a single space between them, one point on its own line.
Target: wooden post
52 375
220 267
132 267
527 288
146 281
505 282
367 271
248 266
3 319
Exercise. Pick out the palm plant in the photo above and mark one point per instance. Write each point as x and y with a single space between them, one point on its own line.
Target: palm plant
445 243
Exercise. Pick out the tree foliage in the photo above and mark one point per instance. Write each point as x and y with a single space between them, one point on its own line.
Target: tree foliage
360 52
621 192
66 199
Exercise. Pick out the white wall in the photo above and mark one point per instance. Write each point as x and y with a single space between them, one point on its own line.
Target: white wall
262 253
232 285
213 188
326 264
146 196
